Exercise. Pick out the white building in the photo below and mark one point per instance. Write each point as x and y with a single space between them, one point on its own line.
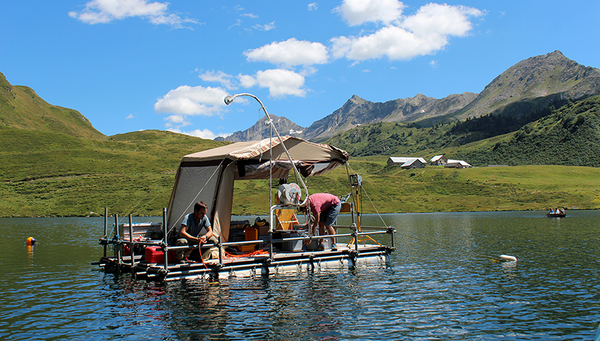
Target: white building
457 164
407 162
438 160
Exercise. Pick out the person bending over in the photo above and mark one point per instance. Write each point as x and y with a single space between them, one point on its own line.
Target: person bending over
325 208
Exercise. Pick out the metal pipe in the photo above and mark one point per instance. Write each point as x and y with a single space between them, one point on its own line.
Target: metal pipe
356 238
131 241
165 240
118 246
220 251
105 229
271 232
229 99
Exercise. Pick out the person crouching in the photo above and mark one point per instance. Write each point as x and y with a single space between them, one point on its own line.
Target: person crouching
196 231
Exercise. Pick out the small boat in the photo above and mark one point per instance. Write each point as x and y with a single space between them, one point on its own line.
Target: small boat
275 246
557 213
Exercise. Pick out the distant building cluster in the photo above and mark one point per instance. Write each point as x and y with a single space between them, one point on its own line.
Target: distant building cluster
419 162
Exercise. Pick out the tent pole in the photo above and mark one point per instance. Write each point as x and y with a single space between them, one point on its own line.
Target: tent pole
131 243
165 239
105 229
118 246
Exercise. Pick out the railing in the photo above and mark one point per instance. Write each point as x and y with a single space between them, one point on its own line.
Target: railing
118 242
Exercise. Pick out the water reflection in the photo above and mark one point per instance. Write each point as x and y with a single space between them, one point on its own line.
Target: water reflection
30 249
444 282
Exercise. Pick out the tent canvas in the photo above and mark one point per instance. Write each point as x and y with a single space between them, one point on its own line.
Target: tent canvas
209 175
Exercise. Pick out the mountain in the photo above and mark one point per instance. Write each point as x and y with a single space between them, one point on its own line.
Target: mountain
537 82
568 135
357 111
525 88
261 130
22 108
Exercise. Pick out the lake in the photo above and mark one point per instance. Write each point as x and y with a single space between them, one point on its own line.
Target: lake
442 283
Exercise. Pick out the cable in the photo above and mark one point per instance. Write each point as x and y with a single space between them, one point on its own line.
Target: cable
193 201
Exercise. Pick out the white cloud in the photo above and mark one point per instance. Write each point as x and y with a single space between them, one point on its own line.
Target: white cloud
104 11
187 100
201 133
250 15
265 27
247 81
357 12
219 77
279 81
179 120
237 23
291 52
312 6
436 19
129 117
423 33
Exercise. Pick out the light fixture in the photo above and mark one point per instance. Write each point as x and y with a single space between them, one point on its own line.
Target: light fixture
229 99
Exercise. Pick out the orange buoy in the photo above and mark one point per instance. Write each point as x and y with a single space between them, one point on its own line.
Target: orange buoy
30 241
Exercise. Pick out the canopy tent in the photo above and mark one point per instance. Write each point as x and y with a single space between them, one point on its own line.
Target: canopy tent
209 175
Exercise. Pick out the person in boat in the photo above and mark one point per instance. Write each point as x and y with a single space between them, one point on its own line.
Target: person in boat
325 208
197 230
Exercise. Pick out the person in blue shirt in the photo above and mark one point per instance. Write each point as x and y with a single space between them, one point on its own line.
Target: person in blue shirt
197 230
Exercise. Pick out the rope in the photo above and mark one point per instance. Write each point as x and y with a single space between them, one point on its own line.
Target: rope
138 203
196 197
368 197
246 254
113 232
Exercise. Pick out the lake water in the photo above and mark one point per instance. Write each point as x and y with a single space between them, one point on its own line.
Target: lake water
441 284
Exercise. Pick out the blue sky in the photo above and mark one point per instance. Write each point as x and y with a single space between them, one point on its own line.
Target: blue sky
131 65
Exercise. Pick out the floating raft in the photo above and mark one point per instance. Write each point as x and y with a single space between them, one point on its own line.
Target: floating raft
253 265
208 176
282 255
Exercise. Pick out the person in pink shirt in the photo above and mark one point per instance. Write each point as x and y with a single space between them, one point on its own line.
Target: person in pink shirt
325 208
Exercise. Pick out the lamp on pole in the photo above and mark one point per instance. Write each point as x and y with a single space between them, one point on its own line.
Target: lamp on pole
229 99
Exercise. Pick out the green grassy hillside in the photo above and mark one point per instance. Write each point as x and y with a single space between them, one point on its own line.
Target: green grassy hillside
437 189
21 107
50 174
568 135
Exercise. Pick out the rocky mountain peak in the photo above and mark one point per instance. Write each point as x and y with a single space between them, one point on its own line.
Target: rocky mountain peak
260 130
547 76
356 100
529 85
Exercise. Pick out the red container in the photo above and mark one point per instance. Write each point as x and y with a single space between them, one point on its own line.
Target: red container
154 254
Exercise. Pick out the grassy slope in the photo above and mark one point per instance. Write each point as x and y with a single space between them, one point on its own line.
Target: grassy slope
49 174
568 136
58 175
21 107
437 189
